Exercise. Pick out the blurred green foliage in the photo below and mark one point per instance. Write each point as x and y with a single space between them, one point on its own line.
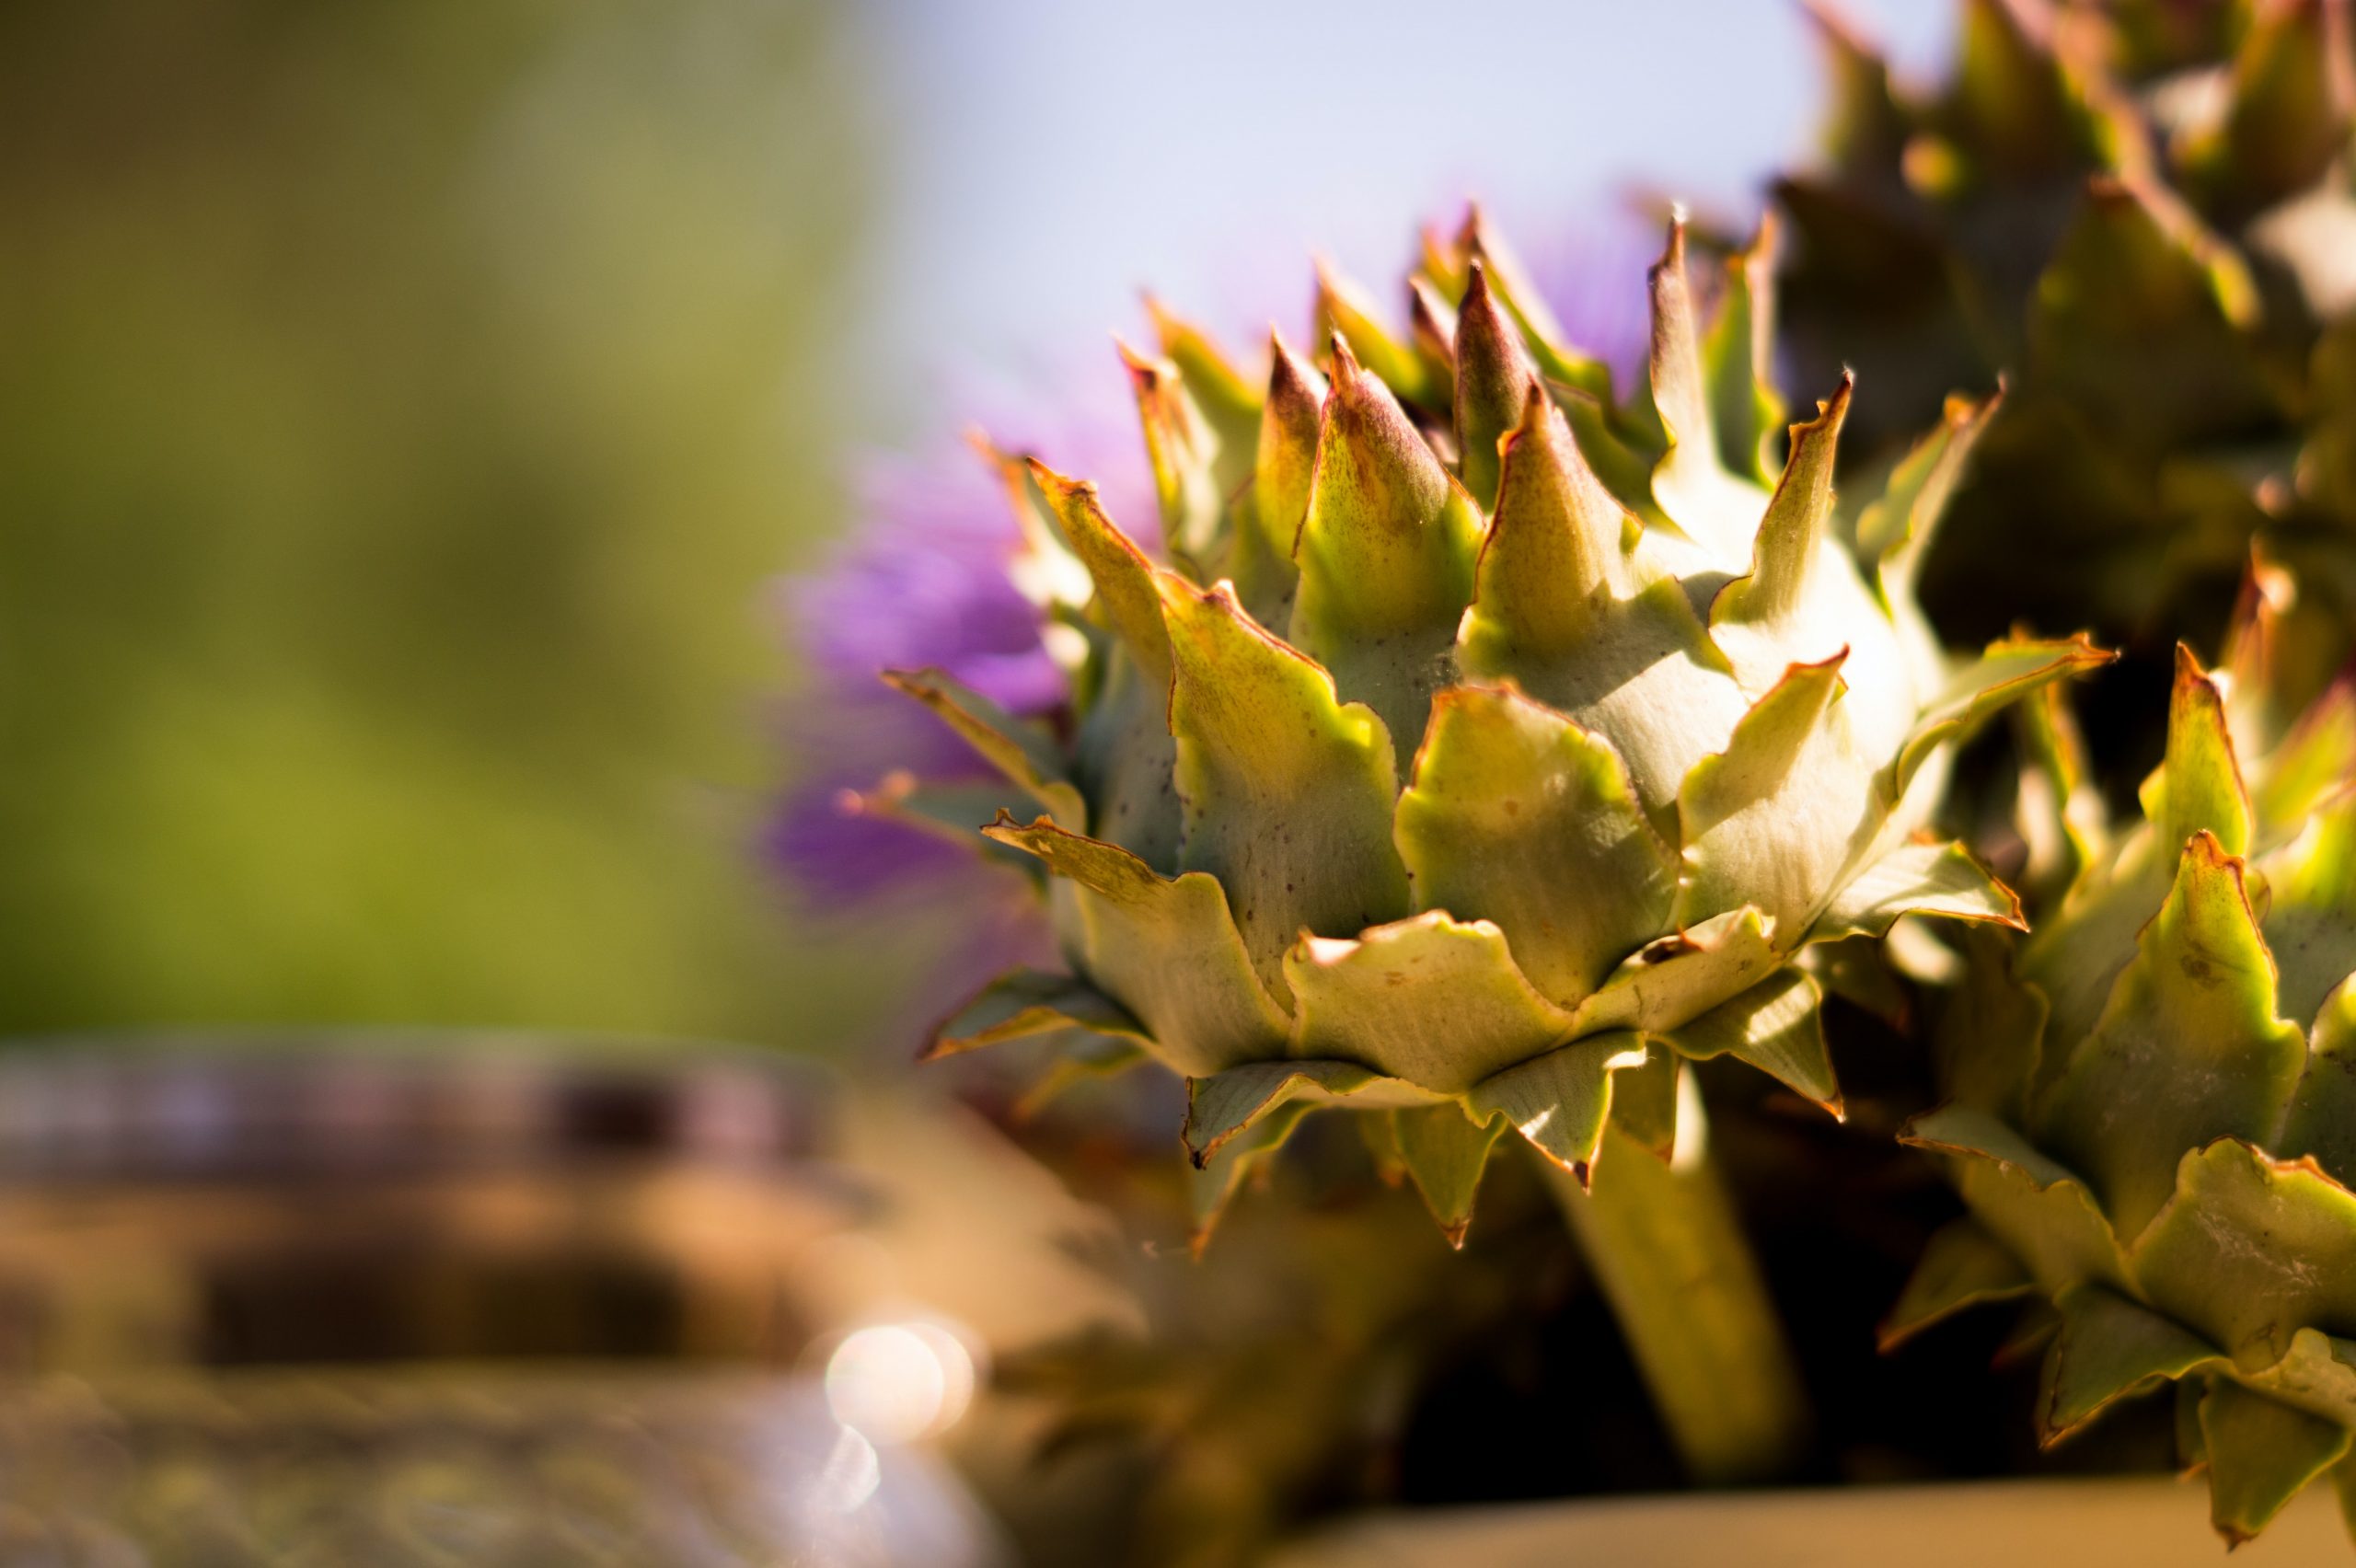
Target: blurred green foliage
402 405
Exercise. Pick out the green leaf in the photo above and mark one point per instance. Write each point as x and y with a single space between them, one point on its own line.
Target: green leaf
1562 1100
2199 787
1739 357
1344 312
2009 101
2322 1122
2009 670
2109 1348
2316 1375
1715 508
1228 401
1480 241
1069 1072
1770 820
2188 1038
1776 1026
2288 116
1386 555
1030 1001
1862 972
1895 527
1518 816
1287 466
1961 1266
1183 450
1623 466
1126 597
1668 983
1165 949
1044 571
953 812
1431 322
1990 1036
2261 1453
1260 731
1495 381
1024 753
1445 1152
2250 1251
1431 1000
1210 1188
1221 1106
1123 753
1645 1099
2060 814
1917 879
1557 545
1801 601
2033 1205
1863 130
2140 321
2311 925
1567 607
2314 761
1123 760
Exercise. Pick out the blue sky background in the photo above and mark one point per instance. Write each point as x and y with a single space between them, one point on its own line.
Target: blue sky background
1048 158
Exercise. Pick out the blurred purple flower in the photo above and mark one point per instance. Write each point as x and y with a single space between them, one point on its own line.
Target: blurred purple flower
1593 277
922 581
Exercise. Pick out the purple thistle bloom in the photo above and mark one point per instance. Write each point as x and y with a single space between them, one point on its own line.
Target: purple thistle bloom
1593 278
922 582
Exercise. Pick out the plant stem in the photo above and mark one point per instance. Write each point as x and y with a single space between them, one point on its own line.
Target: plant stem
1664 1242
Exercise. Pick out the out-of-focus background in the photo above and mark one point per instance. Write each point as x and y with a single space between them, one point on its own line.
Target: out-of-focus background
405 404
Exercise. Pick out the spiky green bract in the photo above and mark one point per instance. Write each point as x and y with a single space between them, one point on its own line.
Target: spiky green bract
2151 1112
2140 212
1455 775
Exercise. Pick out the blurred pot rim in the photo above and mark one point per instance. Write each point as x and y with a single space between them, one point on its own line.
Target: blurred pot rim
238 1103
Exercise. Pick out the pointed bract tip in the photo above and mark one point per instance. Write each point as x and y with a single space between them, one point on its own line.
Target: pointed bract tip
1838 28
2113 189
2203 845
1961 409
1290 379
1345 363
1143 368
1008 467
1433 318
1438 249
1061 487
1454 1233
1535 405
1672 255
1476 223
1833 410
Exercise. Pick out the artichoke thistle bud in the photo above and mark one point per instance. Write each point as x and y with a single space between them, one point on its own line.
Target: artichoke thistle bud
2149 1106
1452 779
